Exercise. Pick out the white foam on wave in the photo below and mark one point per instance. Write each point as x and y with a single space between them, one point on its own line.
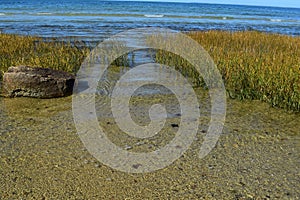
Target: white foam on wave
275 20
44 13
154 16
1 14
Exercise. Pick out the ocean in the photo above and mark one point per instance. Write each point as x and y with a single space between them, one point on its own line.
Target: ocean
94 20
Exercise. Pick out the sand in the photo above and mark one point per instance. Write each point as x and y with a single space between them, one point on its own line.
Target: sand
42 157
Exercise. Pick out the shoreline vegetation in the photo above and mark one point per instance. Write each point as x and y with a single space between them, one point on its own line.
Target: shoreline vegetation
253 65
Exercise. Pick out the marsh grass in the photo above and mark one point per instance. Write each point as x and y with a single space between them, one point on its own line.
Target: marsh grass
253 65
34 51
48 53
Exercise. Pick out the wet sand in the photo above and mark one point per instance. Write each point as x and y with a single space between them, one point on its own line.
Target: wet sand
42 157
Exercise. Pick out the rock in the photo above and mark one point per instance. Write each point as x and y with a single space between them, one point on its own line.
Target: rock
24 81
174 125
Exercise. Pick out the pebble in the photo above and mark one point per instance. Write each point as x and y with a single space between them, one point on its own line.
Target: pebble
127 147
97 165
86 162
174 125
139 143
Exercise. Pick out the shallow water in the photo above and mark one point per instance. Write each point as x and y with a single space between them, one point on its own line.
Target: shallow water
41 155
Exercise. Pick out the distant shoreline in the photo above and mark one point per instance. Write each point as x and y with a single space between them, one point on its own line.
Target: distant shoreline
92 43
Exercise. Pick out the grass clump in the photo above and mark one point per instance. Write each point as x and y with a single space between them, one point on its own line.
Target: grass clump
34 51
253 65
38 52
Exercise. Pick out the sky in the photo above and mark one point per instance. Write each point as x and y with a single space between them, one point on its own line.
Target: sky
276 3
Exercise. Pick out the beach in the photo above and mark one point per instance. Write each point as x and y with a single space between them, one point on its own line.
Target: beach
255 49
42 157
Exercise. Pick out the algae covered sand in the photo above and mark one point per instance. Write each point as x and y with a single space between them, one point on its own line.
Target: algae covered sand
42 157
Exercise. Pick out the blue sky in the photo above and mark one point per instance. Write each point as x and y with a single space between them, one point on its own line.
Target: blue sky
278 3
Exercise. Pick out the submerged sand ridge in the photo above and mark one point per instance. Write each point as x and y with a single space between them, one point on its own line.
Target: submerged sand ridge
41 155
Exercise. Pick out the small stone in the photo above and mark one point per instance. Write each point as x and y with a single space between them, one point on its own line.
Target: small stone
97 165
174 125
136 166
86 162
127 147
139 143
210 166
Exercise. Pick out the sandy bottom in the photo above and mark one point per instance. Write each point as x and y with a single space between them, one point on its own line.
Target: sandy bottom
42 157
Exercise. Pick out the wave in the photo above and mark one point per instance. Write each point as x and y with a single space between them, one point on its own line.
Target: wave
154 16
44 13
140 15
75 14
275 20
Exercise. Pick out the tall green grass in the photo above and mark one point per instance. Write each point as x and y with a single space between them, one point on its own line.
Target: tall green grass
34 51
253 65
38 52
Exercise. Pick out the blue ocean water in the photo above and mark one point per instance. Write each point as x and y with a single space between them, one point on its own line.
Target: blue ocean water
93 20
